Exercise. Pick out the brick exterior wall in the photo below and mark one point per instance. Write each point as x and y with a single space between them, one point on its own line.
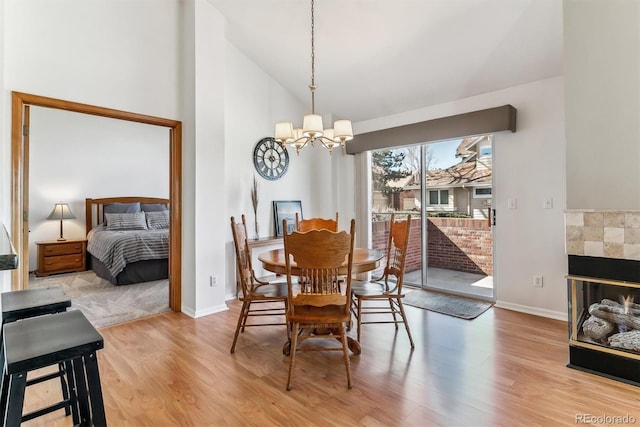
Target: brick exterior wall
460 244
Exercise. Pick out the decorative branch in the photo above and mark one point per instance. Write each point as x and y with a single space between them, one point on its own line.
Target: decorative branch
254 202
254 195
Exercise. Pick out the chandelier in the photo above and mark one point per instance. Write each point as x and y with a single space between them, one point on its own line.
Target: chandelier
312 129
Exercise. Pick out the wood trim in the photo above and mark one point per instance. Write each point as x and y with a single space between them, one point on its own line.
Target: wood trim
19 187
479 122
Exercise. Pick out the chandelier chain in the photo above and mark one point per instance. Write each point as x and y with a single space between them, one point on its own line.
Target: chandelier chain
312 129
313 60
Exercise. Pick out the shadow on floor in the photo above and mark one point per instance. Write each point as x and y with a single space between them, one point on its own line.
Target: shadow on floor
455 282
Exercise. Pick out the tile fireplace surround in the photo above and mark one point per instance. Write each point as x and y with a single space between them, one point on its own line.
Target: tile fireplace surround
603 233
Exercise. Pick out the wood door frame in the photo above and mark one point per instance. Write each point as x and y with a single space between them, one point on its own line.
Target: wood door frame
20 104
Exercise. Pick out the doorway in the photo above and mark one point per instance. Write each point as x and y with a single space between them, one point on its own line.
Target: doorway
21 104
447 188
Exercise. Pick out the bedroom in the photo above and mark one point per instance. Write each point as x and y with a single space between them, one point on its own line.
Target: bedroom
75 156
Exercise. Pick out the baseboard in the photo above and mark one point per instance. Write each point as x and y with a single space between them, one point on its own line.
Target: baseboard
536 311
204 312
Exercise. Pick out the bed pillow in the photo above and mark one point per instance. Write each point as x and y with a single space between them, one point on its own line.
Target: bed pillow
112 208
157 220
126 221
153 207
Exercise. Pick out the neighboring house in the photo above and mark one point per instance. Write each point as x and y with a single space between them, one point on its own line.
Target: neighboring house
464 188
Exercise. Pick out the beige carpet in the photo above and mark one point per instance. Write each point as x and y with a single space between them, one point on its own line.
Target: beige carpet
464 308
105 304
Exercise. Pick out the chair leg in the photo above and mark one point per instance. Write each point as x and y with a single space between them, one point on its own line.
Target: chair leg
393 313
241 320
406 323
292 357
359 317
345 354
246 305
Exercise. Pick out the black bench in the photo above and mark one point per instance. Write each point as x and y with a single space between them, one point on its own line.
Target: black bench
18 305
62 338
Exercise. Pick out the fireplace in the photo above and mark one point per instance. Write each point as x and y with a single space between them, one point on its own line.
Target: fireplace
603 285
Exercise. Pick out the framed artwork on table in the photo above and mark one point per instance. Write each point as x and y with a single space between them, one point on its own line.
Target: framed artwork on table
286 209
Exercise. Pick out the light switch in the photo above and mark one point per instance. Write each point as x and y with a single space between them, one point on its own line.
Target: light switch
511 203
547 203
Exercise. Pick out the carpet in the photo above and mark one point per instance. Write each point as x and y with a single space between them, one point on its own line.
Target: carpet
464 308
106 304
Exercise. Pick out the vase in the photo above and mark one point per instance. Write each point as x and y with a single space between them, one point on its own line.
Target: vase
256 236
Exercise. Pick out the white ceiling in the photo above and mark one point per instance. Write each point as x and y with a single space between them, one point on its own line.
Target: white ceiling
379 57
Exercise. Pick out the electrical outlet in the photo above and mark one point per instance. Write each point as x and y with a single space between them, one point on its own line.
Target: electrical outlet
537 281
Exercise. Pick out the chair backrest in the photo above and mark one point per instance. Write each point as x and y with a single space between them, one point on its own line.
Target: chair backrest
397 247
322 257
243 255
316 223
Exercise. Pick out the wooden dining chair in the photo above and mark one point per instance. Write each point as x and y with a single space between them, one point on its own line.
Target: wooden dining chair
319 310
316 223
368 298
259 298
303 225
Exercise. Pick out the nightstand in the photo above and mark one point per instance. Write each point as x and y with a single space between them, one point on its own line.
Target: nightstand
61 256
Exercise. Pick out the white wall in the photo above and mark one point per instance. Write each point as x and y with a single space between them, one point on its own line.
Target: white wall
92 52
602 72
5 159
529 165
167 59
254 102
208 160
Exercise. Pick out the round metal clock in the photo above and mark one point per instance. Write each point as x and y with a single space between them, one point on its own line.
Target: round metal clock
270 159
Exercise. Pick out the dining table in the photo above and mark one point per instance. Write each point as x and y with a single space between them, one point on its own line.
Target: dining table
364 260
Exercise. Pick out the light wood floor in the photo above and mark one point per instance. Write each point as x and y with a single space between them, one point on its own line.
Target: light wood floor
503 368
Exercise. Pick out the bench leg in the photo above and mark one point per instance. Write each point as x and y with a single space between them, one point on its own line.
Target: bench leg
13 413
81 392
73 394
95 390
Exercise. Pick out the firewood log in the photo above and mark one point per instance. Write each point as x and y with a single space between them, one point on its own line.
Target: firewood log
613 314
632 307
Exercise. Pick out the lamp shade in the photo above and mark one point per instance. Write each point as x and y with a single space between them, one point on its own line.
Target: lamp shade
342 130
61 211
312 125
284 132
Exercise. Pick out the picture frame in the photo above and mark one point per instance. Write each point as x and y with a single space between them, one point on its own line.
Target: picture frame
286 209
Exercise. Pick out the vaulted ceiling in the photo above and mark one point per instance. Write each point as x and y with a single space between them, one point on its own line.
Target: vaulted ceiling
375 58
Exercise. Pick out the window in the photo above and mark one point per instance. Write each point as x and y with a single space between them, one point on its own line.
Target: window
438 197
482 193
485 151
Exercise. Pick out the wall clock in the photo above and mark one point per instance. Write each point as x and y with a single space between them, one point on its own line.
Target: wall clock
270 159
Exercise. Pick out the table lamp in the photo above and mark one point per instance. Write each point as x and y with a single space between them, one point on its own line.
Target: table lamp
61 211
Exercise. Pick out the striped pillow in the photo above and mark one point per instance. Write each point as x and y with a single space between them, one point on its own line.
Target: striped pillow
157 220
126 221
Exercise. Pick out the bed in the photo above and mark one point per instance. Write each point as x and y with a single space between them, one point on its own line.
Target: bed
128 238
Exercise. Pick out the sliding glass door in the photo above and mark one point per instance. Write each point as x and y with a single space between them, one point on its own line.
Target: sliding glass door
446 188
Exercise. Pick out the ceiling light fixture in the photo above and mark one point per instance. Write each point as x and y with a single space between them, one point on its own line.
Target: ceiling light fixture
312 129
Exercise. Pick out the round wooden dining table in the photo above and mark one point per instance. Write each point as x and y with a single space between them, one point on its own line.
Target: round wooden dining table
363 260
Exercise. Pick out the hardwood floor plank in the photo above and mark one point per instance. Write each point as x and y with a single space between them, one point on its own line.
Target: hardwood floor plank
501 369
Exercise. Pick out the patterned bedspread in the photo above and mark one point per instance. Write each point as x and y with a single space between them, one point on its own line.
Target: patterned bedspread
116 249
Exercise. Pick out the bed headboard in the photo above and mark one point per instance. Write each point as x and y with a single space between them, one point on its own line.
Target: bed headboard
95 207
